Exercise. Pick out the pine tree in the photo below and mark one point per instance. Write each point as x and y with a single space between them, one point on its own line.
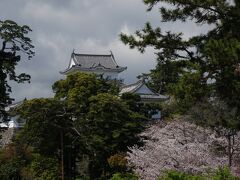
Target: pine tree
15 43
209 64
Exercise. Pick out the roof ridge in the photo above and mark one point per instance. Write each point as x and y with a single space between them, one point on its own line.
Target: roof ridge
129 85
133 84
113 58
139 83
92 54
93 61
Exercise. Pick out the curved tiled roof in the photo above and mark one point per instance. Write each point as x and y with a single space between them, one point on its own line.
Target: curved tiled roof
91 62
146 96
131 88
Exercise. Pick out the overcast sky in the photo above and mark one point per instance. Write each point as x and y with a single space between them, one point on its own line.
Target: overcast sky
88 26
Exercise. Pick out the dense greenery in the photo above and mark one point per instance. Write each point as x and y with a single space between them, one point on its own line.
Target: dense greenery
103 121
200 66
126 176
84 122
202 72
220 174
15 43
17 161
85 129
133 101
45 122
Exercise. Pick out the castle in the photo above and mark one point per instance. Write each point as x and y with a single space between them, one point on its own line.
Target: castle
94 63
107 66
104 65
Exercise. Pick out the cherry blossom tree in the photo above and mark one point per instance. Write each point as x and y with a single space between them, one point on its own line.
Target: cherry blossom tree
181 146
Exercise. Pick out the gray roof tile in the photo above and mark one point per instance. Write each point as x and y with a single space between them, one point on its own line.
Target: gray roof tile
93 61
132 88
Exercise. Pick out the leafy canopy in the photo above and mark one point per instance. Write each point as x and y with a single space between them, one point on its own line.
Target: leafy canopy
45 119
95 122
104 122
200 67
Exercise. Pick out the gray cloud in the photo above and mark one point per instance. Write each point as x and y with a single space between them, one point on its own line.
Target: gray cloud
88 26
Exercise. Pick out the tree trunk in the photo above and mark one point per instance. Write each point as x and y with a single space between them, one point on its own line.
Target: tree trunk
229 151
62 156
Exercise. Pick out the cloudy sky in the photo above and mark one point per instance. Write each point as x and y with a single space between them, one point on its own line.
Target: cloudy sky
88 26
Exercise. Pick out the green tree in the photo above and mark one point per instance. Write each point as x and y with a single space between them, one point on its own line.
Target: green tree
165 73
77 88
220 174
49 131
104 123
126 176
133 101
108 129
17 161
15 44
83 117
142 111
213 57
13 158
41 168
207 76
46 121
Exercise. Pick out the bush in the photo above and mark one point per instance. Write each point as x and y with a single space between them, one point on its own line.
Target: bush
220 174
44 168
223 174
126 176
175 175
118 162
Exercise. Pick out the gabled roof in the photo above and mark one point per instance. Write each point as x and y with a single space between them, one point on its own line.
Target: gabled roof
131 88
92 62
141 89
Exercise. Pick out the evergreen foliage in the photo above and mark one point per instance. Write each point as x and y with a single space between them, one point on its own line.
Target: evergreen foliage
15 43
17 161
127 176
45 119
220 174
207 64
202 72
84 121
104 123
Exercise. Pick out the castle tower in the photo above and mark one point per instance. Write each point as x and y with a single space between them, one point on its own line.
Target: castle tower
94 63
